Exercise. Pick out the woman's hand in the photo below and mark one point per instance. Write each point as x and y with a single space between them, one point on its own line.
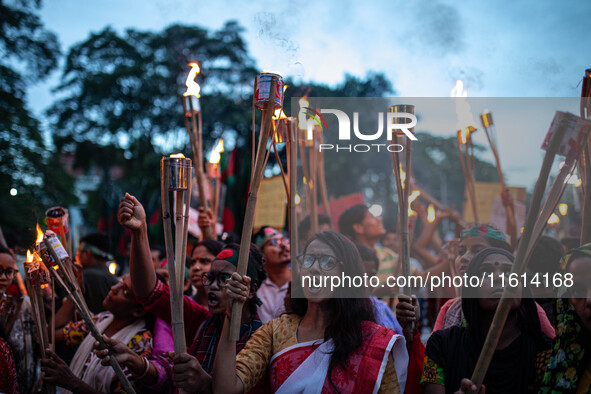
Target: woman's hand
467 386
131 214
188 375
237 290
407 309
122 353
57 372
205 220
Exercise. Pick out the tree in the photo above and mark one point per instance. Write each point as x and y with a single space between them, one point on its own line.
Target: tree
122 93
30 53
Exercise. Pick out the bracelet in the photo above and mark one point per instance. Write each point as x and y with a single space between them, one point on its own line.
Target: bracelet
143 375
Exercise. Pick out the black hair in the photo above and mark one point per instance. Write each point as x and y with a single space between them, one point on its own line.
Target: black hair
497 243
570 243
213 247
5 250
351 216
368 254
306 223
255 257
160 249
343 316
99 241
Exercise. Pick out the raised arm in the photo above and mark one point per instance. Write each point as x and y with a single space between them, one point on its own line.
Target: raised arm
143 276
225 379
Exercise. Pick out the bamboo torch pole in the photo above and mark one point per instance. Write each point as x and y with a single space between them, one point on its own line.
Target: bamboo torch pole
535 221
489 130
292 173
256 179
175 178
403 189
53 256
465 161
193 125
585 166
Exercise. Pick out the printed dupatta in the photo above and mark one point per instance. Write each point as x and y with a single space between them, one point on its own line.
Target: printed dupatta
303 368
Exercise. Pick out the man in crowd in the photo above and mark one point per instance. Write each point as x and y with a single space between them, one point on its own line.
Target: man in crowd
362 227
277 257
93 255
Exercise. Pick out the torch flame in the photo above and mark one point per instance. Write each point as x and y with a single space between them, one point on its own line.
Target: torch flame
413 196
554 219
214 156
402 175
458 90
40 235
178 156
219 148
29 256
430 213
303 125
279 114
193 87
563 209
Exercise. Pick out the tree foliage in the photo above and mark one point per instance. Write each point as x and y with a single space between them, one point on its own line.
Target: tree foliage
29 54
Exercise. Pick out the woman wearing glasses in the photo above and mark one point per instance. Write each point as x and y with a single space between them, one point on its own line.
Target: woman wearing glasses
17 324
329 344
203 327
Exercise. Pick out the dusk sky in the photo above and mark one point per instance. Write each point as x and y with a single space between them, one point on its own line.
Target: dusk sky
499 49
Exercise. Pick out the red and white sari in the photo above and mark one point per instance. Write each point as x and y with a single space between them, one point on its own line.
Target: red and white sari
303 368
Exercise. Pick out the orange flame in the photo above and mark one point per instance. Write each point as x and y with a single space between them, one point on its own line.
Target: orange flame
220 146
193 87
430 213
29 256
40 235
413 196
178 156
279 114
554 219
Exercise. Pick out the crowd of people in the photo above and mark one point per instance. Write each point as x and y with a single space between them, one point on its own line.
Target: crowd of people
298 338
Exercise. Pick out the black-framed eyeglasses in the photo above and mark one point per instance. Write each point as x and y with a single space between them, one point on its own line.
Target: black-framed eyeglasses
326 262
209 277
277 242
9 272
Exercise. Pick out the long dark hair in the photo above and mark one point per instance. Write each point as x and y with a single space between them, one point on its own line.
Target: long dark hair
343 316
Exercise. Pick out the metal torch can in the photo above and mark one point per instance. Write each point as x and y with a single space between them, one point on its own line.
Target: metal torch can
262 90
179 172
56 217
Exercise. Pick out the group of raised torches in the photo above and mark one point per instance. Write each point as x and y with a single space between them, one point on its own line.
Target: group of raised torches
260 329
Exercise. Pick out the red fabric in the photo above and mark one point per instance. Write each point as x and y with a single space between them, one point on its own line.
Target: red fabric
8 382
415 366
365 363
158 303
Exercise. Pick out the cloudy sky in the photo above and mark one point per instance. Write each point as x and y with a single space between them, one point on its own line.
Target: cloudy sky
498 48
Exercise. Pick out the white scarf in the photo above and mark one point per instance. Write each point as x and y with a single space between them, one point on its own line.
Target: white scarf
309 377
97 375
